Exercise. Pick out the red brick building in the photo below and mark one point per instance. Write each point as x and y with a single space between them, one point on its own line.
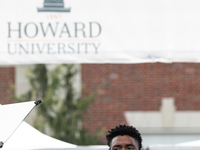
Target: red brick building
7 79
124 87
133 87
140 88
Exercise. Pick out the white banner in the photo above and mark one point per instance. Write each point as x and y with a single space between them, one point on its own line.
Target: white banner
99 31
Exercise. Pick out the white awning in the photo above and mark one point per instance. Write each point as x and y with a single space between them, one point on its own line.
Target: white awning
15 134
28 138
12 116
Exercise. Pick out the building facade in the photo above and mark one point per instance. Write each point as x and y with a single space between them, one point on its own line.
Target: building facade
7 80
161 100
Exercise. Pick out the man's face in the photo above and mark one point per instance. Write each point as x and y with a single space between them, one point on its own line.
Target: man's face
124 143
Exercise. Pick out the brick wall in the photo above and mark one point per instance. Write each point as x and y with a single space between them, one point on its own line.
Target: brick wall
7 79
124 87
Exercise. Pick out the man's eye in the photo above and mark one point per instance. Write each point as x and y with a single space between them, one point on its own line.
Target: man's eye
131 148
116 149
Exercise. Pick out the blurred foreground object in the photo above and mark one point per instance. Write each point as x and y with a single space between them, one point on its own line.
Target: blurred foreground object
12 115
26 137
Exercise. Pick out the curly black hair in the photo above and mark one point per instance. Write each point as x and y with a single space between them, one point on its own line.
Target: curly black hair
124 130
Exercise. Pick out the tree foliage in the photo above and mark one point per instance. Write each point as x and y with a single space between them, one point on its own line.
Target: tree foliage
60 114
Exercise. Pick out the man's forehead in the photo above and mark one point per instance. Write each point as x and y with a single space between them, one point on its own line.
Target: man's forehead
123 140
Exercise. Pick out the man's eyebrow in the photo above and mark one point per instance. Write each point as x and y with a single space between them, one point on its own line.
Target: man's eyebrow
130 145
116 145
126 145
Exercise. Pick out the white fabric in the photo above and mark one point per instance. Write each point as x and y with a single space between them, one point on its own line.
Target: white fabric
11 116
17 134
128 31
27 138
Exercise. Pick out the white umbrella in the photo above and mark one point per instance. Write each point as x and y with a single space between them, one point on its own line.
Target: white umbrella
17 134
11 116
28 138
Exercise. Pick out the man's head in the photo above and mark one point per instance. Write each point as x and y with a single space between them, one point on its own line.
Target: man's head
124 137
